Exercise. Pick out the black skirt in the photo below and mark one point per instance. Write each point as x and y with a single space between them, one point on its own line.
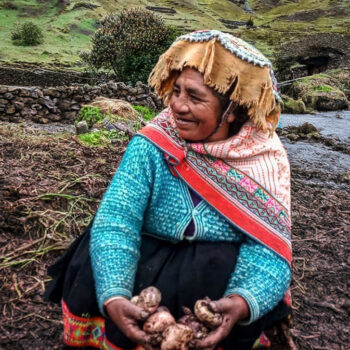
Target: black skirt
183 272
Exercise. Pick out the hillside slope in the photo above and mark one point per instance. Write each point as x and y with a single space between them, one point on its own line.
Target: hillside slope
68 24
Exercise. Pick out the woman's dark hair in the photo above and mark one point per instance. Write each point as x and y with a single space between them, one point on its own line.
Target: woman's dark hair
240 112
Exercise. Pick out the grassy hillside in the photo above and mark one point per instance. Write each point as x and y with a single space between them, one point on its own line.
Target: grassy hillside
67 28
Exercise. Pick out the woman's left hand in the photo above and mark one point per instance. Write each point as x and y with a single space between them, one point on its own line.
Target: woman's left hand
233 309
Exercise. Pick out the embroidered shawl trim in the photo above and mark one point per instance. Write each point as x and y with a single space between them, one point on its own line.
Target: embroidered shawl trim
240 199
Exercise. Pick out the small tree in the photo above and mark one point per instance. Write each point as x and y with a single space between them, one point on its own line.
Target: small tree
129 44
250 23
28 34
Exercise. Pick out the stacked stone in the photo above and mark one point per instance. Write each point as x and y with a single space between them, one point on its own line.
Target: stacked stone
63 103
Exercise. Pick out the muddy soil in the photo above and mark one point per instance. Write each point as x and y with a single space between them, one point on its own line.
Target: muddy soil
50 186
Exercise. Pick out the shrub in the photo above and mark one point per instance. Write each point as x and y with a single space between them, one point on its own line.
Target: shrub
90 114
250 23
129 44
28 34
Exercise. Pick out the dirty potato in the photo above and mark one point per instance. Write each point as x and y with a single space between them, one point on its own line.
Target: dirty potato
149 299
158 322
206 315
177 337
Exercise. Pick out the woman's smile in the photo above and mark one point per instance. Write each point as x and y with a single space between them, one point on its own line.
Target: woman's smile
182 122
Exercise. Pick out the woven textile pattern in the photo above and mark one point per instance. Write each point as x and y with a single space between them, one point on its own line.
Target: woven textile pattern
144 197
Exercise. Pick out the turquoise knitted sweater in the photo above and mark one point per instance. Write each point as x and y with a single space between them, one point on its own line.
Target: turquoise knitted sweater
145 197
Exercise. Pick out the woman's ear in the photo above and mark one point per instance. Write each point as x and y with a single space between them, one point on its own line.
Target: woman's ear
231 117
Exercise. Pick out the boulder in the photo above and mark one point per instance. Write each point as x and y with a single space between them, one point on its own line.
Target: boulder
116 107
321 92
332 102
293 106
82 127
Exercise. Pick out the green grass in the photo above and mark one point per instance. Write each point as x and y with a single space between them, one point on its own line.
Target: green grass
67 32
101 138
323 88
90 114
145 112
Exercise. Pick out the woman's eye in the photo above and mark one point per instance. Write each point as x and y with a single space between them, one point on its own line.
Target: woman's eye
195 98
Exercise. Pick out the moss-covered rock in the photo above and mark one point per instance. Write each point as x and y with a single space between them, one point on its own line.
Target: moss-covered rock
321 92
293 106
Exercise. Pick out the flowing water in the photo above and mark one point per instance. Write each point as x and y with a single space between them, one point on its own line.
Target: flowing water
315 157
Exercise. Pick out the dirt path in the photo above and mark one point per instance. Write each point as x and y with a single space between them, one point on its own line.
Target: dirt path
50 187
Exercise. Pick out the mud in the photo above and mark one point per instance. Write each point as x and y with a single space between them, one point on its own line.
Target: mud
50 186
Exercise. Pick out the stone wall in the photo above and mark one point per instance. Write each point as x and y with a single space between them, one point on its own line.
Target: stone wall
44 105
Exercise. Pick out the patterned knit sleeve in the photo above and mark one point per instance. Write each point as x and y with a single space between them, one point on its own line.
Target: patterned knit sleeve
261 277
115 235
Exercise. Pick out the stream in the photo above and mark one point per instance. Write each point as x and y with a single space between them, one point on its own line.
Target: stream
316 158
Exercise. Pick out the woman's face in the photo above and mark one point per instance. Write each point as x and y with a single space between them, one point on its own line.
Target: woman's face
197 109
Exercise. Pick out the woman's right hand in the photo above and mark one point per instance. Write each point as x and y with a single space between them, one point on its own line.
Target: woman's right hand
126 316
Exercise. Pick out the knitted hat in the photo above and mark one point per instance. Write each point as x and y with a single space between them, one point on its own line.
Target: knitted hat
223 60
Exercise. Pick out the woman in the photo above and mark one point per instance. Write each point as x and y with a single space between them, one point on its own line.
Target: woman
199 206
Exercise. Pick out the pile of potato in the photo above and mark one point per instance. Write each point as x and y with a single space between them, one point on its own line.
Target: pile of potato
168 334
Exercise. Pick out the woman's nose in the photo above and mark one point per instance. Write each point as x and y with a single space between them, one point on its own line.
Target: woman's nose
180 104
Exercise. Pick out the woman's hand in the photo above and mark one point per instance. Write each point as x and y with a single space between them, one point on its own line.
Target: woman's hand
125 316
233 309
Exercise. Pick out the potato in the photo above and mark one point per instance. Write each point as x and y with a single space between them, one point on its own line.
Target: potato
177 337
158 322
149 299
190 320
206 315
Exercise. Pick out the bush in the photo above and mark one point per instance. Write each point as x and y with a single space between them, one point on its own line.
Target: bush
129 44
250 23
28 34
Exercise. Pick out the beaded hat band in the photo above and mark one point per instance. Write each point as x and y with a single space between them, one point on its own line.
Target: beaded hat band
223 60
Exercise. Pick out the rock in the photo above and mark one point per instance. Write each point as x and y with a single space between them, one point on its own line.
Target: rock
82 127
28 112
293 137
54 117
78 98
37 106
69 115
321 92
28 101
11 109
51 92
9 96
75 107
150 103
293 106
25 92
306 128
116 107
37 93
18 105
43 120
12 89
46 102
64 105
335 102
3 101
